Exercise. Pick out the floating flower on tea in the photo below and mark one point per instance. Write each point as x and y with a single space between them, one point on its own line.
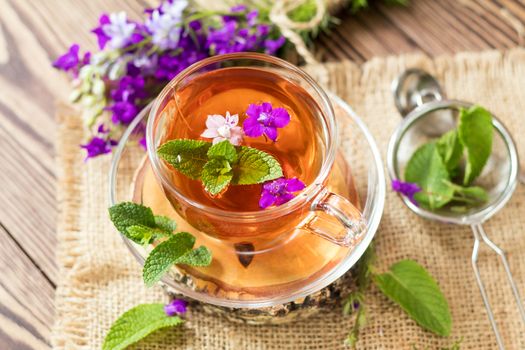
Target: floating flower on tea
264 119
407 189
279 191
176 307
221 128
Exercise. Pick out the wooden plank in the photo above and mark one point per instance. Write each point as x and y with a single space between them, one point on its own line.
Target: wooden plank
26 299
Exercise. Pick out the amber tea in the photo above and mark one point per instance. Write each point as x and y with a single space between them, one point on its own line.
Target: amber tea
297 146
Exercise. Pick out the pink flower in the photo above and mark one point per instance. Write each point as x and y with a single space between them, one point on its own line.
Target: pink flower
221 128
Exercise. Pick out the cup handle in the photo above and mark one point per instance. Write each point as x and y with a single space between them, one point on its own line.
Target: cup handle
346 230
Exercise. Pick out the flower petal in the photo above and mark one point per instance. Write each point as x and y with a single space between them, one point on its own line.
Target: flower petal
294 185
252 127
215 121
253 111
286 197
266 107
210 133
281 117
232 120
218 139
271 132
267 199
236 135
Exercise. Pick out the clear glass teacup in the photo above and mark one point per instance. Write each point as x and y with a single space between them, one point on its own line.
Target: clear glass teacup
279 254
316 209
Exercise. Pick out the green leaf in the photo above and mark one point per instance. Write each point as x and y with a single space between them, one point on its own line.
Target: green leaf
475 133
165 223
410 286
450 150
173 251
187 156
126 214
426 168
216 175
196 257
254 166
473 195
137 323
223 149
145 235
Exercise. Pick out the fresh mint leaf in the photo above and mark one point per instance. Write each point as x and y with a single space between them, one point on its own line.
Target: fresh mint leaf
196 257
254 166
450 150
136 324
475 133
410 286
173 251
223 149
187 156
426 168
470 195
216 175
145 235
126 214
165 223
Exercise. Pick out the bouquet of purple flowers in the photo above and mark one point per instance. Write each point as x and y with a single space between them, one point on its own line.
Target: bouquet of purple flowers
137 58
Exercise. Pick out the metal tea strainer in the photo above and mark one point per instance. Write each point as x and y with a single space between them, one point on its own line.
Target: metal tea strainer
427 115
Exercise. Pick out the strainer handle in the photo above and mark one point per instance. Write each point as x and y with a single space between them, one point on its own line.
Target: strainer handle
479 232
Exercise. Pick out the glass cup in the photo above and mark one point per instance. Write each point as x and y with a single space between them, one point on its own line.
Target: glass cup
300 247
316 209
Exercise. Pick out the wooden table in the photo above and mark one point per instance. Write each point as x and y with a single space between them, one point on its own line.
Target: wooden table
34 32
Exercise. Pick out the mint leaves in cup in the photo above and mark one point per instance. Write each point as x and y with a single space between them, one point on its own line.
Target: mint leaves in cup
444 169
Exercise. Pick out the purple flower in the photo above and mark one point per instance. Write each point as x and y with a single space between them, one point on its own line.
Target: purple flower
129 89
97 146
102 129
69 60
264 119
407 189
165 24
123 112
176 307
115 31
251 17
271 46
279 191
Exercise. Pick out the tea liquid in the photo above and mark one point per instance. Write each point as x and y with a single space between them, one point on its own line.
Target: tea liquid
299 145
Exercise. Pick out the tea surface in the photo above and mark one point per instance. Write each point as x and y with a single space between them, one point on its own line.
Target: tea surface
298 147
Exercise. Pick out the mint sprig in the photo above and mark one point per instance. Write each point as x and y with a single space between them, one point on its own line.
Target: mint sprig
137 323
437 166
138 223
178 249
220 165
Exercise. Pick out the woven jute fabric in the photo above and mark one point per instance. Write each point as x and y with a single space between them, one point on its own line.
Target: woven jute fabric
100 279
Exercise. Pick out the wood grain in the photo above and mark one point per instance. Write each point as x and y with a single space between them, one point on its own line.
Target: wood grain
33 33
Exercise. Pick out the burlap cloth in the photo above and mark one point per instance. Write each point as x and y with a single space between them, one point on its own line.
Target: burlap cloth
100 279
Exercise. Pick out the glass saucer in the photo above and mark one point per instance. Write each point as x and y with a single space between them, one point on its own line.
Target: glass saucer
358 148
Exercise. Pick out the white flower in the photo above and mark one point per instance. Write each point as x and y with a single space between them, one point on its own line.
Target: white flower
166 25
221 128
174 8
119 30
